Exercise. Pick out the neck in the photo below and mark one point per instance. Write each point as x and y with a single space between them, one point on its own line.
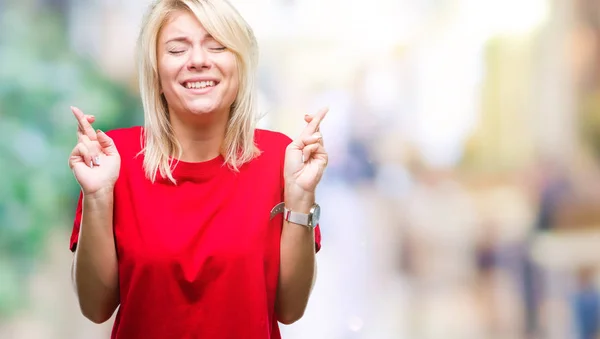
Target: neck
201 138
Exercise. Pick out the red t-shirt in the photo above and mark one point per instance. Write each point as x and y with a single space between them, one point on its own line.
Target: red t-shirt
199 259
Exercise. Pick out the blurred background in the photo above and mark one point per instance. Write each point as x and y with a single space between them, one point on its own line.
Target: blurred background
462 198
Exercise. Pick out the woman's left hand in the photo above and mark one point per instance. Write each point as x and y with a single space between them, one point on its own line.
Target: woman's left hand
305 162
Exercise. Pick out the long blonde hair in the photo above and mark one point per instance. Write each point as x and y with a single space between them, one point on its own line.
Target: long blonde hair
226 25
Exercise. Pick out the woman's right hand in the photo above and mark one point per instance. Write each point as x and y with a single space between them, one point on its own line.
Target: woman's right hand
95 161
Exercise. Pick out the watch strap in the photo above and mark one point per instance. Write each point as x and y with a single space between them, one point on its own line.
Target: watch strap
291 216
279 208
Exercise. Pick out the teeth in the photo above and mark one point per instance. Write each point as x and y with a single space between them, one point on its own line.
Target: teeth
199 84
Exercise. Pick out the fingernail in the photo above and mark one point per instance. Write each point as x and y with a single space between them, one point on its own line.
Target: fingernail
91 164
303 158
99 131
97 160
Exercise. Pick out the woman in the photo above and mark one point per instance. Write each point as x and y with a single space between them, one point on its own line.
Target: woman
178 222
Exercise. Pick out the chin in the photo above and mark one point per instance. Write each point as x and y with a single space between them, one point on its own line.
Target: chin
200 111
203 109
199 105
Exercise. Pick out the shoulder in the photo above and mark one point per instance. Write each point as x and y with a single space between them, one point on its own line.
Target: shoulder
125 134
271 140
128 139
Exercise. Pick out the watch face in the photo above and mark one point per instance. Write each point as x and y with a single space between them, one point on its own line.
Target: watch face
316 215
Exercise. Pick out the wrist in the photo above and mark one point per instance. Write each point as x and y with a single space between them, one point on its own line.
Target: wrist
100 194
302 203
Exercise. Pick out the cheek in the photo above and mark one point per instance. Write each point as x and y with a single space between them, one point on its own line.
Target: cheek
166 73
234 76
233 89
235 83
162 76
167 85
229 67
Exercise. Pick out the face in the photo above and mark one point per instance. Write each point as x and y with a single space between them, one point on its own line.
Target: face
198 75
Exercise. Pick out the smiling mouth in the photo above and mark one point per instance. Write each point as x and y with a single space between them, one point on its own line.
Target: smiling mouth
200 84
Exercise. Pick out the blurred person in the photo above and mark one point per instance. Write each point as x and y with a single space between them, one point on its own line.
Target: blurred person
554 188
586 305
487 279
359 167
179 222
552 191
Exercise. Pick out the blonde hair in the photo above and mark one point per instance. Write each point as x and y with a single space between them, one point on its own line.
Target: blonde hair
221 20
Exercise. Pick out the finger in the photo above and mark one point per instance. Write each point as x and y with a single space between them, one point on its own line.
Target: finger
84 125
308 151
106 143
92 149
308 118
91 119
75 156
313 126
80 154
320 154
316 137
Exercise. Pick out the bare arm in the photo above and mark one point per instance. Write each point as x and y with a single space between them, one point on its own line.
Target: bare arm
95 162
95 270
297 272
305 162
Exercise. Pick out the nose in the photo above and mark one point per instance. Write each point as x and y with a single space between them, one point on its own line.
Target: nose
199 59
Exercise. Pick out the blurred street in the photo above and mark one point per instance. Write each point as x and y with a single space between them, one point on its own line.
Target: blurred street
462 198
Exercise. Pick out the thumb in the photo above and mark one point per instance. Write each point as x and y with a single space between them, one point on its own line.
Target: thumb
107 144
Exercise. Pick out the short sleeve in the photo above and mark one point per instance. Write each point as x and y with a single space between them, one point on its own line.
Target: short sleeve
76 223
317 239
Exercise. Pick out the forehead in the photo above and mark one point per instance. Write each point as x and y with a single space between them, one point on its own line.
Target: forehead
184 24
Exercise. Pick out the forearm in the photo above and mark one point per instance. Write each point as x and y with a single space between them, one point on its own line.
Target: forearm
95 270
297 269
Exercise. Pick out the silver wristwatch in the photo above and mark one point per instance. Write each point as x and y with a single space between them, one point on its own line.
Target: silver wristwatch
310 220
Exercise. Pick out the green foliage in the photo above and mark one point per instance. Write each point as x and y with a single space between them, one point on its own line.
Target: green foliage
40 79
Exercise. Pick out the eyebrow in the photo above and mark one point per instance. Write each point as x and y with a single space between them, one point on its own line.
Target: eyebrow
206 36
